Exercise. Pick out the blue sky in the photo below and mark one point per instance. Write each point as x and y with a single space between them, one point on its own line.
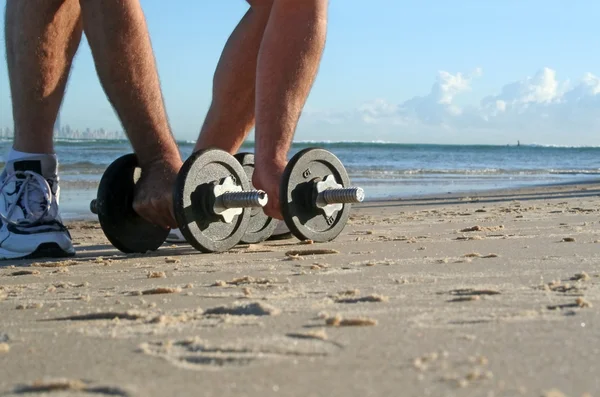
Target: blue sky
407 71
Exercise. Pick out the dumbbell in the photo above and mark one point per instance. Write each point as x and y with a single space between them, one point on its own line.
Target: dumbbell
213 200
316 196
122 226
212 203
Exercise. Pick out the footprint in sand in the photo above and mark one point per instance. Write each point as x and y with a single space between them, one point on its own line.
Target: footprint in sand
196 354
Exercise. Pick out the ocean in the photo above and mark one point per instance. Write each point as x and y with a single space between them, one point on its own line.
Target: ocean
384 170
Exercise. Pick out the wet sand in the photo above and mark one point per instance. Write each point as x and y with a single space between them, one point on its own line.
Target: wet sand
491 294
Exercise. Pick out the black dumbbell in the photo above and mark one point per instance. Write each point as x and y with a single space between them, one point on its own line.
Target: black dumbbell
316 195
122 226
212 198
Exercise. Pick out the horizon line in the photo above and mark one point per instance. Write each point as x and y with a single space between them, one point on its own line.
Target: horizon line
333 142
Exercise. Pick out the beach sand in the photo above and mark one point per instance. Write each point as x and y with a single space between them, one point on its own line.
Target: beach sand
489 294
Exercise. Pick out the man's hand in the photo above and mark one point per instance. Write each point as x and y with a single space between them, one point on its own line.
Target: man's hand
153 199
267 176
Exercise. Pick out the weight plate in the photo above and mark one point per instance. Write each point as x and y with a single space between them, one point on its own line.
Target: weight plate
261 226
123 227
192 195
302 217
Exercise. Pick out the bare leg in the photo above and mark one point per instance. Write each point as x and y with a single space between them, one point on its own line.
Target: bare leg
42 36
287 65
118 37
268 65
231 114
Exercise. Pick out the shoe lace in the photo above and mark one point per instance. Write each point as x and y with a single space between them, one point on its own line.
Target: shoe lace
29 183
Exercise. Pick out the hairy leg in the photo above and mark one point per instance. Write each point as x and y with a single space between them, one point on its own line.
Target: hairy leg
120 44
288 62
42 37
122 51
231 114
287 65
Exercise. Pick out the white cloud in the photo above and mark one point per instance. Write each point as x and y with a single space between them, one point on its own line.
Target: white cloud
437 107
586 92
541 89
378 110
538 109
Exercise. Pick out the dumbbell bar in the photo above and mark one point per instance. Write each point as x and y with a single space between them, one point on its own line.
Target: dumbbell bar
227 204
331 196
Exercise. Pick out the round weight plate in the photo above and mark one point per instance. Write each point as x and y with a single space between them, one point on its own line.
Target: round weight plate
261 226
122 226
205 231
302 217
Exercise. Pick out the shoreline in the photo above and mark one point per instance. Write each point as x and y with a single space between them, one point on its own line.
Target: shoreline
248 143
579 184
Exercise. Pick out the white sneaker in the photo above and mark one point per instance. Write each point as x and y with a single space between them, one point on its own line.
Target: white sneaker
30 224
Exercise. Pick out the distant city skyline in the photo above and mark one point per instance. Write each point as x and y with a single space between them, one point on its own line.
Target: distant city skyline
70 133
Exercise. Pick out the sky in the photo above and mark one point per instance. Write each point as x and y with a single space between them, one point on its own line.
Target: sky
428 71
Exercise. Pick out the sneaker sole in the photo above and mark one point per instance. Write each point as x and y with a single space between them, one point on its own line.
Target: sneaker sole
46 250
